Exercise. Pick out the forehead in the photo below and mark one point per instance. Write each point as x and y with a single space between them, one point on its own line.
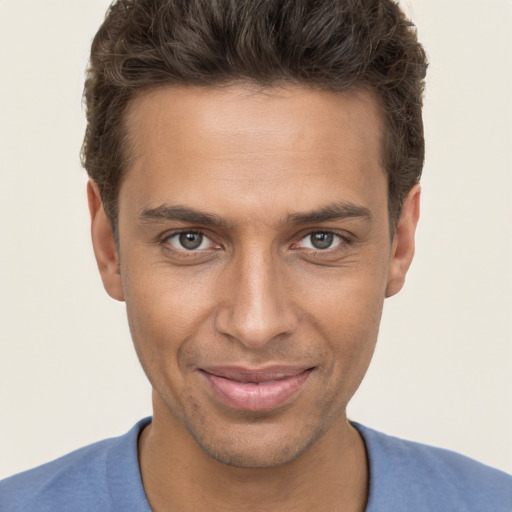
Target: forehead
296 118
265 147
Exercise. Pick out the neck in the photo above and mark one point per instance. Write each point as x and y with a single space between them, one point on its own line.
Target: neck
178 475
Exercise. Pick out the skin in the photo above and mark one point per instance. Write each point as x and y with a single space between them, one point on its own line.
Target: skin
257 292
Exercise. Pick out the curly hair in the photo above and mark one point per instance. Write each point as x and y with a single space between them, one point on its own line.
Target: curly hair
333 45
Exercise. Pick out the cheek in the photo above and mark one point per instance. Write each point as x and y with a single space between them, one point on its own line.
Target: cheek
352 331
345 311
164 311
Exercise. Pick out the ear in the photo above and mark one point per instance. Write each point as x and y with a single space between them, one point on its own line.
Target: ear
402 250
104 245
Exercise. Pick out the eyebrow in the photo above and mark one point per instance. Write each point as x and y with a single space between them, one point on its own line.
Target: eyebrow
333 211
181 213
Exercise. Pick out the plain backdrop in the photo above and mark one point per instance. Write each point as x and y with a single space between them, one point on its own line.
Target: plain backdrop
442 370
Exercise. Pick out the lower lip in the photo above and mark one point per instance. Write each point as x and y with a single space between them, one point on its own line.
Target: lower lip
261 396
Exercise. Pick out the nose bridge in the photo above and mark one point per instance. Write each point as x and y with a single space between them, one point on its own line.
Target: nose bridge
257 308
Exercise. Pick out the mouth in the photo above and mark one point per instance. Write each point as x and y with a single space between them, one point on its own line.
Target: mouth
256 389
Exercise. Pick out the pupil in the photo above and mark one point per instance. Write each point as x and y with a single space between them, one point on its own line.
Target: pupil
322 240
191 240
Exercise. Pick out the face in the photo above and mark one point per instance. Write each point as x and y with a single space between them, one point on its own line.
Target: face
255 255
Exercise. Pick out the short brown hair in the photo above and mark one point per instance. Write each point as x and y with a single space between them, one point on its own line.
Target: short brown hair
328 44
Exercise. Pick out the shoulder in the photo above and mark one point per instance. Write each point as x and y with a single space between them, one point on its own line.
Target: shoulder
84 480
406 475
61 483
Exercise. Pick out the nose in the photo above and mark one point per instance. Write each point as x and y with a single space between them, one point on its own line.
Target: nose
257 306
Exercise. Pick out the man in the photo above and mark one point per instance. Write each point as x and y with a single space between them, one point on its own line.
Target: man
254 197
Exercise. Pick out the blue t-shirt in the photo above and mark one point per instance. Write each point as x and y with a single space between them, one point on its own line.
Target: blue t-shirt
404 477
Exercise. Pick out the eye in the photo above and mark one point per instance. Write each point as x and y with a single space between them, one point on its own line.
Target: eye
320 240
189 241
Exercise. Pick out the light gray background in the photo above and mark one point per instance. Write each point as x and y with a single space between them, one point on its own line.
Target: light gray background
442 370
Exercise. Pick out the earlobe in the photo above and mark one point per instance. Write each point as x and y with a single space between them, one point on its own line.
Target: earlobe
103 242
402 251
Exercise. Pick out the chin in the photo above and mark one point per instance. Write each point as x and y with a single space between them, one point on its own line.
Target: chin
254 457
258 447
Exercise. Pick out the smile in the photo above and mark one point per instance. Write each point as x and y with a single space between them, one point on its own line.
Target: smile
256 390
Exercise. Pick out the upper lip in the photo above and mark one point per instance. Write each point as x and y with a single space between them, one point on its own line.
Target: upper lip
244 374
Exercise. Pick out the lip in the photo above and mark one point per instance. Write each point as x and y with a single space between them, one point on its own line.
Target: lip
256 389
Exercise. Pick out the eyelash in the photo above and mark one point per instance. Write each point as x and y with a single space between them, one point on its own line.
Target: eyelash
165 242
344 240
